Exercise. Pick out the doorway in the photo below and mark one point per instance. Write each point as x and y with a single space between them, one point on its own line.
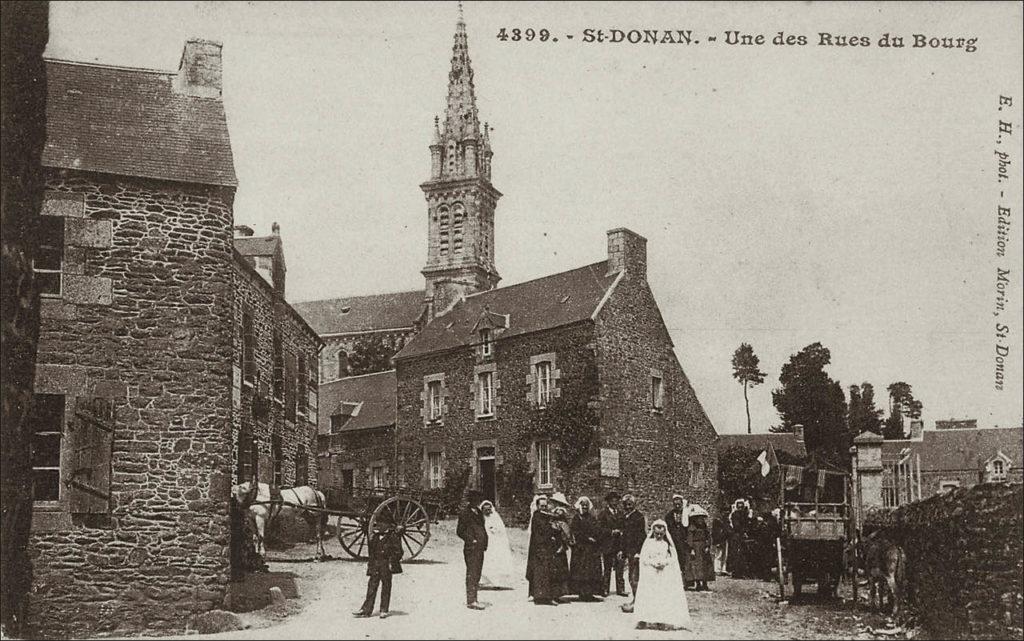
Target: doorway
485 463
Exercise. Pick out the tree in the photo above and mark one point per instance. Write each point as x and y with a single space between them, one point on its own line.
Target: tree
745 370
901 404
862 415
809 397
372 353
739 475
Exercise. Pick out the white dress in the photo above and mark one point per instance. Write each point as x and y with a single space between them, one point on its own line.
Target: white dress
498 570
660 597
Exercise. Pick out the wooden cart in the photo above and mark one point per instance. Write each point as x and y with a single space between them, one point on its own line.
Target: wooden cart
360 510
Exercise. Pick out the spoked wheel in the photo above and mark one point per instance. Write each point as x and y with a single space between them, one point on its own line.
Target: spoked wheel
410 516
352 536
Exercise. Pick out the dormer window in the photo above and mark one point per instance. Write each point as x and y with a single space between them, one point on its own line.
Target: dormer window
997 471
486 346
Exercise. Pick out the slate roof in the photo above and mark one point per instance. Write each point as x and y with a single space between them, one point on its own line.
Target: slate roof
129 122
374 394
961 449
365 313
257 245
784 442
536 305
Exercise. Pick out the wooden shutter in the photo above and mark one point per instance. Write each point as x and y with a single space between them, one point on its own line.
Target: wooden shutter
90 447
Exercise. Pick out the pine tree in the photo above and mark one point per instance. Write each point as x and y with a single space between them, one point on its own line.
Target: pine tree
745 370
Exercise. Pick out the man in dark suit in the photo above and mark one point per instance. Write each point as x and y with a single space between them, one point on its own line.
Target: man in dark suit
634 531
474 537
610 520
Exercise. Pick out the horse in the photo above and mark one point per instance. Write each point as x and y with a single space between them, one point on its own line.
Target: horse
262 507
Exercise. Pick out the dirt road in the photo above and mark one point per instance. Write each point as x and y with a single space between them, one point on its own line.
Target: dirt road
428 601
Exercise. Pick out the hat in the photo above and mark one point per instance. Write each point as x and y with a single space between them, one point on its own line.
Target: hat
696 510
613 495
558 497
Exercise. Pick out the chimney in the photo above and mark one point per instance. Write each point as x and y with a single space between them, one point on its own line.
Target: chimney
275 229
798 429
243 231
916 429
627 252
199 73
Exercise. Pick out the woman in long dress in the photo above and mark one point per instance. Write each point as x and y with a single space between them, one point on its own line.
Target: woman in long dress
700 566
585 571
540 560
660 601
498 568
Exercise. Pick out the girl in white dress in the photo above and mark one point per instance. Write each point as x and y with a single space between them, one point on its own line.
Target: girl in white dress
498 568
660 599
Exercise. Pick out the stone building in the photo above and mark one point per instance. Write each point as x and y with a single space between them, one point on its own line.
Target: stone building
141 350
480 387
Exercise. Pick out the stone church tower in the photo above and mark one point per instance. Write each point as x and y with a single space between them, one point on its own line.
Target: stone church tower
460 197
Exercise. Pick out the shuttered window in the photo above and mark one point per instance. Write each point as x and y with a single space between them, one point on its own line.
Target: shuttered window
289 387
90 434
301 467
278 366
276 455
48 432
302 384
248 348
247 459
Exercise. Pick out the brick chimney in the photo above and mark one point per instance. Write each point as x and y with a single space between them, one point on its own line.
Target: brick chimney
627 252
199 73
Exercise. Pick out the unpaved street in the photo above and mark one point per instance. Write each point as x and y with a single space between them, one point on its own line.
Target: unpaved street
428 601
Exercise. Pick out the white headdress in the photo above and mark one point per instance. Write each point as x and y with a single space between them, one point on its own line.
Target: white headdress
580 501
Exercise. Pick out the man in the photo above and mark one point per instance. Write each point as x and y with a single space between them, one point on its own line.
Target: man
634 532
610 521
473 533
677 524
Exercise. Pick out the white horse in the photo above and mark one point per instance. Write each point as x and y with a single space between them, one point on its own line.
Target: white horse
261 509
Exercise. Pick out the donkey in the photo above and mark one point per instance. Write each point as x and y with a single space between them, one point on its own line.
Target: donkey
262 508
885 564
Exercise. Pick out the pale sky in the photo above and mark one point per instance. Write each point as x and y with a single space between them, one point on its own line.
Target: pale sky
845 195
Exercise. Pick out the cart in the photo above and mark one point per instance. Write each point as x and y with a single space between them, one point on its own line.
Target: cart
360 510
816 524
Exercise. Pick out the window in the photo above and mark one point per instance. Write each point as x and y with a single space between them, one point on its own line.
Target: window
301 467
486 347
48 428
342 364
302 385
246 455
278 367
485 394
997 472
696 473
248 348
377 476
347 481
49 260
544 464
434 470
289 387
542 374
657 393
275 453
434 395
338 421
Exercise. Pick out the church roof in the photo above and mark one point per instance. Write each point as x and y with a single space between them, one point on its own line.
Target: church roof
367 401
536 305
257 245
781 442
355 314
130 122
960 449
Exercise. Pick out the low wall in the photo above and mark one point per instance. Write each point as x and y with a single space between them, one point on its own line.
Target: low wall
965 563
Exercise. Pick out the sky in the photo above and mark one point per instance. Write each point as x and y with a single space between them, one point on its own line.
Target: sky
790 194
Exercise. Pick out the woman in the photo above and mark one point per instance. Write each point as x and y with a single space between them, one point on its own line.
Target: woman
498 567
585 571
564 542
661 604
700 566
540 559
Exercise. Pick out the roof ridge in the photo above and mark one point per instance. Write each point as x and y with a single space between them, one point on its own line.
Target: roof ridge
327 300
533 280
348 378
101 65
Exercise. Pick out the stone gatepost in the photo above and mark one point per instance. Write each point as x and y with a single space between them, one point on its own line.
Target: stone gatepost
867 461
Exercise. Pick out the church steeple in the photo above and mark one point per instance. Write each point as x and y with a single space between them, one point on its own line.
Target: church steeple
460 197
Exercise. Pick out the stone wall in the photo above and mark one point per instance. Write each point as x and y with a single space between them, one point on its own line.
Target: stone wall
661 452
259 409
143 329
965 560
334 345
356 450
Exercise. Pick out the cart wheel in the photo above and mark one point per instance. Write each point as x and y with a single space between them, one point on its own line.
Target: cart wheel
352 536
405 513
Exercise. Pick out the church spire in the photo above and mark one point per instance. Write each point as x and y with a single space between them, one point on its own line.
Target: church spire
461 121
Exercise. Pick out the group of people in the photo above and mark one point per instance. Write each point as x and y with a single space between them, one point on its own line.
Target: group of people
575 551
745 543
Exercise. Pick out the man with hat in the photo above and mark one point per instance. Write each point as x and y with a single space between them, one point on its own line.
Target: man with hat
634 533
473 532
610 520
